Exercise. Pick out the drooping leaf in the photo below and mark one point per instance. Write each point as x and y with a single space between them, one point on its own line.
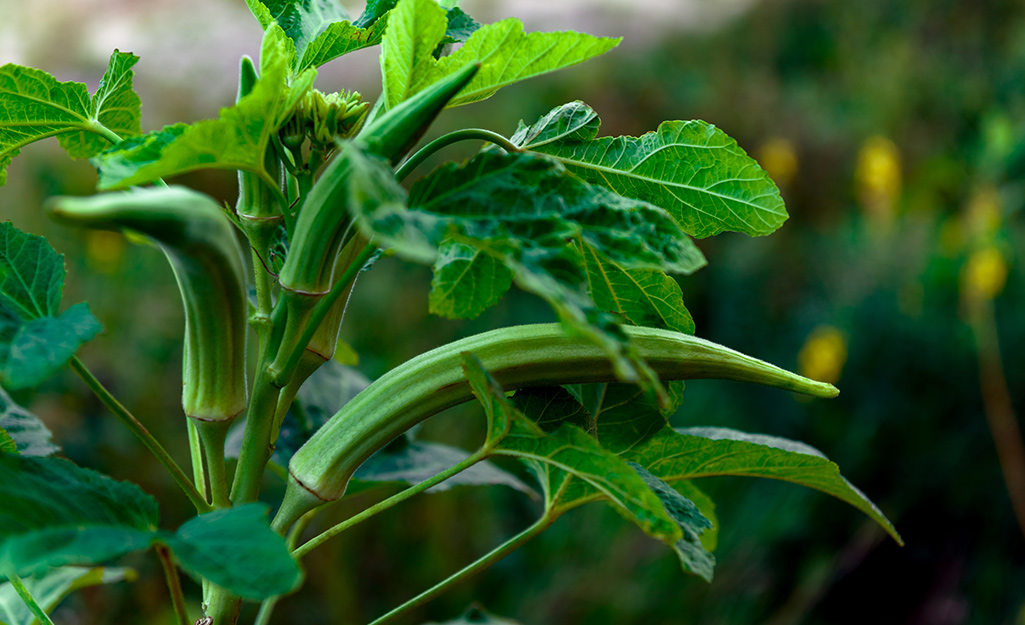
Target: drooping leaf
692 169
466 281
56 513
414 30
410 461
694 558
50 589
34 106
35 340
236 140
236 549
569 449
41 346
28 432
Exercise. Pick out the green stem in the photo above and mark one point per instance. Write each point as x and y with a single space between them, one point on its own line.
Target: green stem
465 134
482 563
268 605
98 128
196 453
174 584
283 371
30 601
398 498
256 442
140 431
213 434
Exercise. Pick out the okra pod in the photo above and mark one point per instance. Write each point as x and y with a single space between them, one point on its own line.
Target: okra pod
518 357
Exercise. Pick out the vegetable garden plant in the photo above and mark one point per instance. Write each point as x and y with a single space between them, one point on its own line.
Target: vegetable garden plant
594 226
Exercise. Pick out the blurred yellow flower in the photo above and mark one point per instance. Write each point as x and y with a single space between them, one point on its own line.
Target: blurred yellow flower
104 250
779 159
823 355
878 177
984 275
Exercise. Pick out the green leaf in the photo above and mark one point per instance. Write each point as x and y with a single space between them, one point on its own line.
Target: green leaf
36 106
508 55
692 169
50 589
409 461
415 28
460 27
40 347
34 340
56 513
374 11
705 505
303 21
237 140
237 550
692 554
569 449
26 429
7 444
337 40
466 281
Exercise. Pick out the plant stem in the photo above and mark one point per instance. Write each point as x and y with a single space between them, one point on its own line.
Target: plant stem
196 452
256 442
174 584
140 431
997 405
482 563
213 434
267 607
465 134
30 601
398 498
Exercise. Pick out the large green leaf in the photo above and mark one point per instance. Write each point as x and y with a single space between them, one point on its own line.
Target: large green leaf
692 169
50 589
56 513
28 432
571 450
34 106
35 340
467 281
236 549
236 140
417 27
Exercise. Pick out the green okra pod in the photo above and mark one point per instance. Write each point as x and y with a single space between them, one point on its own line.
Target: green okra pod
518 357
199 241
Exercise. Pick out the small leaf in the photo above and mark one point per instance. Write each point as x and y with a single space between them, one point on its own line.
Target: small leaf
415 28
466 281
303 21
460 27
237 140
693 556
26 429
237 550
692 169
568 449
374 11
42 346
50 589
56 513
409 461
36 106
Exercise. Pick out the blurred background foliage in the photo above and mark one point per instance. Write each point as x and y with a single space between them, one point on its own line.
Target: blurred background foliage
896 132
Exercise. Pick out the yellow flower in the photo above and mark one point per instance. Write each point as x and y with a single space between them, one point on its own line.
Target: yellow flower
104 250
823 355
779 159
984 275
878 176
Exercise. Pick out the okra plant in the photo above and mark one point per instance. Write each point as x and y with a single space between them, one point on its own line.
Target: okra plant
327 183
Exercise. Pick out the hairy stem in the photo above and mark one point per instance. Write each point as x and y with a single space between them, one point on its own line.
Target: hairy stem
174 584
328 534
443 141
140 431
484 562
30 601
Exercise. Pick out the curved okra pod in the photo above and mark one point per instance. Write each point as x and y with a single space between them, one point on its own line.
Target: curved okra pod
199 241
518 357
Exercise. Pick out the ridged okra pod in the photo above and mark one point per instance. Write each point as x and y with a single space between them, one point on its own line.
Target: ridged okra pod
518 357
199 241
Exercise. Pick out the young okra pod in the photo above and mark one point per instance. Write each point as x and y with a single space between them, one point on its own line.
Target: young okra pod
199 241
518 357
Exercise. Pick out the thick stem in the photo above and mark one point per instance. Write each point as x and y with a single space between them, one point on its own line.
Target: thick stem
174 584
30 601
398 498
267 607
213 434
222 606
256 442
443 141
484 562
140 431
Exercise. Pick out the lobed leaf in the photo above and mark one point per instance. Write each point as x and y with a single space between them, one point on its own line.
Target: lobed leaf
236 549
36 106
51 588
29 433
238 139
692 169
56 513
